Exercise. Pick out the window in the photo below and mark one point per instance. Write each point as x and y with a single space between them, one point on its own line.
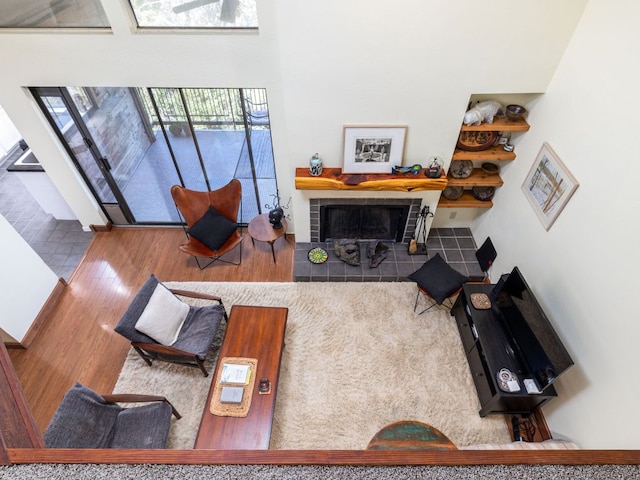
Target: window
230 14
52 14
132 144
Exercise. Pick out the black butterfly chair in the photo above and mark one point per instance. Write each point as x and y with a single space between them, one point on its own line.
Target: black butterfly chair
439 281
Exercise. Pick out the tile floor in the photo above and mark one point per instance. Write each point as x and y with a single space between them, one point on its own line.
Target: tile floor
60 243
455 245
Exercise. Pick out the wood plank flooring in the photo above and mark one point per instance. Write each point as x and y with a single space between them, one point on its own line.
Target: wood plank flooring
77 341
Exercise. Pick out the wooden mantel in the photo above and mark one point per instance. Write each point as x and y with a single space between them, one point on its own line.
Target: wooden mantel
334 179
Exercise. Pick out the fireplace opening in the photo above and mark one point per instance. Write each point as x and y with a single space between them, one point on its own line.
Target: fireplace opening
370 222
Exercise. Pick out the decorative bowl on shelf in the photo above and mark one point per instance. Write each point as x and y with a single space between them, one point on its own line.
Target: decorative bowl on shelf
477 141
483 194
490 168
515 112
461 168
452 193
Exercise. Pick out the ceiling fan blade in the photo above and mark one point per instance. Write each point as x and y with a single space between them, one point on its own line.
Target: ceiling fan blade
193 4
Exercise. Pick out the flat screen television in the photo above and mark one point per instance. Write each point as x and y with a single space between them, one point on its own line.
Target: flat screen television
535 344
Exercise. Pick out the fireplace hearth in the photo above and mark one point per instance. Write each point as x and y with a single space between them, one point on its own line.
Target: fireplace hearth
455 245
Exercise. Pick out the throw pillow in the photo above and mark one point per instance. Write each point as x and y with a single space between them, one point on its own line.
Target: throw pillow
213 229
486 254
438 278
163 316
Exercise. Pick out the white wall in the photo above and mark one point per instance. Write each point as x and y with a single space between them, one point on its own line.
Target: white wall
583 268
25 283
9 136
411 63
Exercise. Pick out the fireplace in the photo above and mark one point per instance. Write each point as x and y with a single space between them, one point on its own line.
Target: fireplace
386 219
370 222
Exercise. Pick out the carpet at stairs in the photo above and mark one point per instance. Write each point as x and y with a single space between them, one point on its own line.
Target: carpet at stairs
356 358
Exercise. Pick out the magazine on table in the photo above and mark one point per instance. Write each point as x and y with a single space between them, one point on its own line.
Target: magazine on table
238 374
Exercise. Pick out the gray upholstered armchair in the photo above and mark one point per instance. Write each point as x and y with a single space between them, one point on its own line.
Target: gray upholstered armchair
85 419
162 327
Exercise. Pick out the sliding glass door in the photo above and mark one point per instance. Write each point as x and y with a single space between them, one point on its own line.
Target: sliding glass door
132 144
66 110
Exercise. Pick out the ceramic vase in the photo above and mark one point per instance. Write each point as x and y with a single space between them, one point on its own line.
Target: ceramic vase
315 166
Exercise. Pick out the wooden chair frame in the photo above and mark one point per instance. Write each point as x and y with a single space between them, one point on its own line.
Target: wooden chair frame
139 398
428 295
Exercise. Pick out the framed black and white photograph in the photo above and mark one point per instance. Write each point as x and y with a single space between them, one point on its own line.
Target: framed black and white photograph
548 186
373 149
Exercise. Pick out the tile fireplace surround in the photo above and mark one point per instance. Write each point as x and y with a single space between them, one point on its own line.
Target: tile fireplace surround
455 245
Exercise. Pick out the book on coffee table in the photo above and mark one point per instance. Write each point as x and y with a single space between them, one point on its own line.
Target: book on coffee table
231 394
232 373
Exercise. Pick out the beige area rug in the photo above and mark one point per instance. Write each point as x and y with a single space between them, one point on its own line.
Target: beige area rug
356 359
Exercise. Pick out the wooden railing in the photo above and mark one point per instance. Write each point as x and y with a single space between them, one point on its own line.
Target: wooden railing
328 457
18 428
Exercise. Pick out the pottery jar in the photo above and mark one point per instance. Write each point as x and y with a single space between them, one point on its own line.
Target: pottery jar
315 165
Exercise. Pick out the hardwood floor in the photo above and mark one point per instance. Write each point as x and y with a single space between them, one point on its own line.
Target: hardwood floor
77 341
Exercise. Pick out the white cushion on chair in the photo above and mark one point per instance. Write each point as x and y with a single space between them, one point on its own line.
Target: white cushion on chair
163 316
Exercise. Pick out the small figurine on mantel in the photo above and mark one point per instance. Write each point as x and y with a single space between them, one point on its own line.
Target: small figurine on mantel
315 165
434 170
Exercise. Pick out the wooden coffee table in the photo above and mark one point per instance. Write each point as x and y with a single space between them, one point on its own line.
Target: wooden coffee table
252 332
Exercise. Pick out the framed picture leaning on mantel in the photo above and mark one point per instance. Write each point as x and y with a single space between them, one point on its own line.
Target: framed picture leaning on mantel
373 149
548 186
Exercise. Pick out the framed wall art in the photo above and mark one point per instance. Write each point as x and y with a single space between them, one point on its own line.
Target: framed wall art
548 186
373 149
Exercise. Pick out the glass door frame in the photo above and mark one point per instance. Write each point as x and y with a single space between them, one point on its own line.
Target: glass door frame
101 161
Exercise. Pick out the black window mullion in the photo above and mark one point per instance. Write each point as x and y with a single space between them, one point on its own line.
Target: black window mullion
247 135
193 136
164 134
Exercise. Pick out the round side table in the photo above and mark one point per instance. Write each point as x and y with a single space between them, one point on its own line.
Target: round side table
260 229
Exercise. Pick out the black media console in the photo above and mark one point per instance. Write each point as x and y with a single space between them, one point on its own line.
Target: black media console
494 340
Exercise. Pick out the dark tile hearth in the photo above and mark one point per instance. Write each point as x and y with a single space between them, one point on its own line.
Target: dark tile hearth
455 245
